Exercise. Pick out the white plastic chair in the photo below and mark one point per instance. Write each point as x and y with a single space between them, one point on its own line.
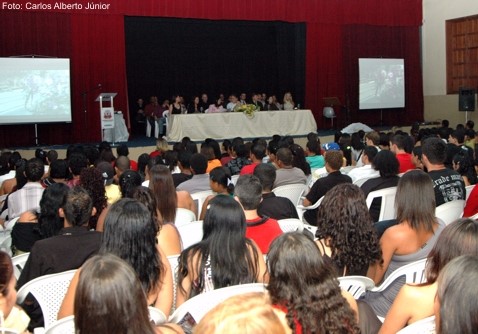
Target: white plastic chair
356 285
291 191
301 209
311 229
6 236
49 291
291 225
387 208
414 273
18 263
184 216
361 181
156 315
234 179
424 326
63 326
166 119
199 199
468 191
191 233
199 305
450 211
5 330
148 128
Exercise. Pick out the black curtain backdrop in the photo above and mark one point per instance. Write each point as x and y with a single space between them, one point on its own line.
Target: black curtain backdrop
167 56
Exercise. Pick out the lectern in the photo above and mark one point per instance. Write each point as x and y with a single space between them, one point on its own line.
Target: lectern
107 114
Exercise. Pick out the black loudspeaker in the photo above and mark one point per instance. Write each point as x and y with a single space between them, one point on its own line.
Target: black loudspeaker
466 99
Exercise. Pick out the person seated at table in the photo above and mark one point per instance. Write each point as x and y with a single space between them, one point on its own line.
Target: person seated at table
194 107
272 103
288 102
216 107
233 103
176 107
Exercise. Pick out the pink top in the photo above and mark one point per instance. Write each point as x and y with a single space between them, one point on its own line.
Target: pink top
213 109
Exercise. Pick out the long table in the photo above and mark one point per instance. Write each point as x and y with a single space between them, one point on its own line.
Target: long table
235 124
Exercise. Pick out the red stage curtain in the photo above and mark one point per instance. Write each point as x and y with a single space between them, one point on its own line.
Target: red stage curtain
94 40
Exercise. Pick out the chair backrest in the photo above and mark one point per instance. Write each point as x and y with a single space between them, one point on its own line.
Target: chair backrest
234 179
450 211
199 305
361 181
199 199
156 315
301 209
6 236
18 263
414 273
328 112
4 330
191 233
184 216
49 291
387 208
63 326
291 191
468 191
424 326
356 285
291 225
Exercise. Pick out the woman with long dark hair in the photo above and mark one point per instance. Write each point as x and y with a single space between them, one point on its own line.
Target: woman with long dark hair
167 198
168 235
130 233
223 257
92 181
345 231
306 289
109 299
410 240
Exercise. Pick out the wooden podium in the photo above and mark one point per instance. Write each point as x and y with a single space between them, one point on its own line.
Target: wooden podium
107 114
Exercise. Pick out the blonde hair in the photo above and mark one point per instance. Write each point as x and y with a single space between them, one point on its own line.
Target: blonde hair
162 145
250 313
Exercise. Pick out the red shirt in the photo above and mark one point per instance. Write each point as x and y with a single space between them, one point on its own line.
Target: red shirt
471 206
405 161
263 230
248 169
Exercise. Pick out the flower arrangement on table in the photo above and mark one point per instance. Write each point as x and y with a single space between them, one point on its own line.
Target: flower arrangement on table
247 109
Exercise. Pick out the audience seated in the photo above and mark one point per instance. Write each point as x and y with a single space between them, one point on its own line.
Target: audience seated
464 165
386 163
346 237
415 302
305 288
366 169
102 282
168 236
76 162
28 197
200 180
130 233
239 160
471 206
455 302
258 152
286 172
13 317
314 156
161 148
298 158
397 146
410 240
123 151
184 167
113 192
212 161
167 198
57 173
333 162
447 183
221 184
261 229
272 206
223 257
35 225
18 180
92 181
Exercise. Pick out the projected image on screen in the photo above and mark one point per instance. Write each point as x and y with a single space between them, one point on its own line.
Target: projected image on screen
34 90
381 83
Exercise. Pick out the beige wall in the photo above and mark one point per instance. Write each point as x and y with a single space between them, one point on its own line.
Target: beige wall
437 104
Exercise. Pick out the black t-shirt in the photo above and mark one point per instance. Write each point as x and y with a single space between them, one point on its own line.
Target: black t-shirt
448 185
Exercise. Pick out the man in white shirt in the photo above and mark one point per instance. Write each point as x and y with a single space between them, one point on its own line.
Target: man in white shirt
366 170
28 197
233 102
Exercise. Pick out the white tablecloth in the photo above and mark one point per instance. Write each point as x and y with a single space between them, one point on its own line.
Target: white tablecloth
120 130
235 124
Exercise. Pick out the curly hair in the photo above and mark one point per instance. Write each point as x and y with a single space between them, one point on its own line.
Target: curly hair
91 180
343 220
303 284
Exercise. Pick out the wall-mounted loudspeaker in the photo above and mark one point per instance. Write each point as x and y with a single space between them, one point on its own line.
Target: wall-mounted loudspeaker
466 99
